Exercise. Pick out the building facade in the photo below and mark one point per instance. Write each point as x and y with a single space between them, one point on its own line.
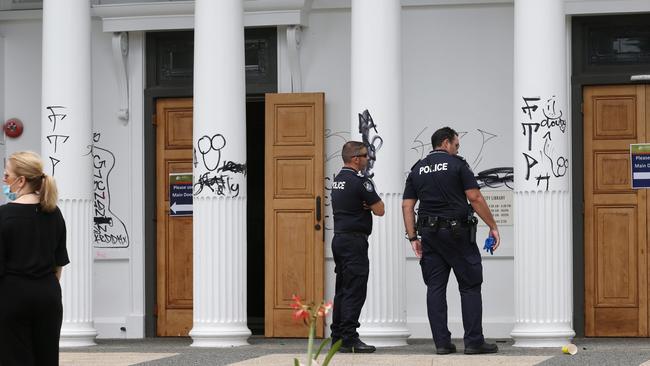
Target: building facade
194 142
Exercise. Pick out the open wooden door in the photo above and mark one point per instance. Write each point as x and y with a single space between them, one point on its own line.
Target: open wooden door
294 221
616 216
174 233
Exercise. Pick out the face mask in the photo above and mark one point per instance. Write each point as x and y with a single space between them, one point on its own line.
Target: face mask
6 190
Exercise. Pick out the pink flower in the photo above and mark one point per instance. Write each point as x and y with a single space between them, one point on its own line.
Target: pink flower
324 309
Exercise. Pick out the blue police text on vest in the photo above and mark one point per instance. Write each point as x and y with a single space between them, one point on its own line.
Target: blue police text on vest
338 185
433 168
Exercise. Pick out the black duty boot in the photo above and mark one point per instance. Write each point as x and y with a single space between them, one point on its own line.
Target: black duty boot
450 348
484 348
356 346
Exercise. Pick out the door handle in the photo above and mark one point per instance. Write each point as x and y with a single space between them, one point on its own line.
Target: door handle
318 213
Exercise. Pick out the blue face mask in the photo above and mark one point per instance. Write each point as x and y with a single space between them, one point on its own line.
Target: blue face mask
6 190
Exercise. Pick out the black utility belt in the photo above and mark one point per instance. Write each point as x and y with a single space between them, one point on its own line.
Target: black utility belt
352 233
435 222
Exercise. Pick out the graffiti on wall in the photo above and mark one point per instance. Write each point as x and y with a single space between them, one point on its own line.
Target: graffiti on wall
373 144
543 161
109 230
491 177
56 115
218 176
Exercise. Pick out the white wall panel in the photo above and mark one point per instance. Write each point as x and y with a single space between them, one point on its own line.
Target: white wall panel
22 81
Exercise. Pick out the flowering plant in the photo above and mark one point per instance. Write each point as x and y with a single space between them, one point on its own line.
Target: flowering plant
309 314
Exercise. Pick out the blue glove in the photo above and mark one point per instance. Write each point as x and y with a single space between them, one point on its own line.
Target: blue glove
489 244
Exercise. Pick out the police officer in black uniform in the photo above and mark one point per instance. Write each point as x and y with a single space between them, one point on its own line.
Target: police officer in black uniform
353 199
443 183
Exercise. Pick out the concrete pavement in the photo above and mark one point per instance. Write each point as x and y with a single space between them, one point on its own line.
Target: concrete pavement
271 352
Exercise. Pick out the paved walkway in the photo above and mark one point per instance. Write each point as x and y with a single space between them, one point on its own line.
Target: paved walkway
272 352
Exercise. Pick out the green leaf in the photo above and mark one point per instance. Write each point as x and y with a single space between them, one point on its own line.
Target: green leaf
332 351
322 345
295 362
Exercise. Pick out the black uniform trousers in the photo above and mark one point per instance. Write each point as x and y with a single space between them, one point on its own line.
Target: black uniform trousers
31 314
350 252
443 250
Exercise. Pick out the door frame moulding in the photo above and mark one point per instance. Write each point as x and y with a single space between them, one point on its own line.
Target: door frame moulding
180 15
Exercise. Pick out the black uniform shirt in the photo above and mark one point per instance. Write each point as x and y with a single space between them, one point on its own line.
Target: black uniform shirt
32 242
439 181
349 192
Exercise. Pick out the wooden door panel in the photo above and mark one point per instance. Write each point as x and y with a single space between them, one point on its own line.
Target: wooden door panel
294 274
612 171
295 125
174 233
294 184
616 266
179 262
294 177
616 246
615 118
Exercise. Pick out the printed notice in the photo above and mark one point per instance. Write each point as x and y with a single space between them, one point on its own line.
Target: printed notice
500 203
640 158
180 194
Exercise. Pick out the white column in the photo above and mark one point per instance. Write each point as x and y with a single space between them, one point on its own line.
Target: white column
542 199
66 141
220 185
377 87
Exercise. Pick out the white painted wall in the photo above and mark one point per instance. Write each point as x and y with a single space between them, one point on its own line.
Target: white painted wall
22 81
118 265
457 71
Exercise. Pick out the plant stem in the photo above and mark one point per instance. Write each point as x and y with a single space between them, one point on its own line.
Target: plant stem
310 343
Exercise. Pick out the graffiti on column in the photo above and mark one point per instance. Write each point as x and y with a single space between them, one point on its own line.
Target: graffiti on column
56 114
219 175
335 139
109 230
366 124
542 160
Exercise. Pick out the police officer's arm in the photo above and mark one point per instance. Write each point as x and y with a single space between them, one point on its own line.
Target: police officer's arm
481 208
408 212
377 208
371 199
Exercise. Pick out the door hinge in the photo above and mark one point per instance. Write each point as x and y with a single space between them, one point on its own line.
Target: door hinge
582 108
154 121
155 310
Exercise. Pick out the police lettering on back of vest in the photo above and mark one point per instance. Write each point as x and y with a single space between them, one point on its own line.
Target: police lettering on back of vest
426 169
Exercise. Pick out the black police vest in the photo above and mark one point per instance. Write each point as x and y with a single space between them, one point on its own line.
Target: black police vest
439 182
349 193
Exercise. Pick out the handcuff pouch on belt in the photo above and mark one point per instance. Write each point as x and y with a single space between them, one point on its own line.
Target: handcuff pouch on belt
427 222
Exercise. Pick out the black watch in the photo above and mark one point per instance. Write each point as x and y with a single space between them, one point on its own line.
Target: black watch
413 238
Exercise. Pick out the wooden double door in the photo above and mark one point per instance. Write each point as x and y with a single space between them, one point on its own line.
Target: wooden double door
293 238
616 216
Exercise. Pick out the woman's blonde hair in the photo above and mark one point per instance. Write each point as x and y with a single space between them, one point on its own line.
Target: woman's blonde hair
28 164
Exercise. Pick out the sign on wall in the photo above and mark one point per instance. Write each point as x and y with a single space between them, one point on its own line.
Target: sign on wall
180 194
500 204
640 164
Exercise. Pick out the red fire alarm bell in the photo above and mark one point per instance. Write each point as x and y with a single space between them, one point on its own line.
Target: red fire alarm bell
13 127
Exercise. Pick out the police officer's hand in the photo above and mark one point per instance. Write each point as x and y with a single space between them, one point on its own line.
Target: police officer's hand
494 232
417 247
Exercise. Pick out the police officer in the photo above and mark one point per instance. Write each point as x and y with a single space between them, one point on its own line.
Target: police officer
443 183
353 199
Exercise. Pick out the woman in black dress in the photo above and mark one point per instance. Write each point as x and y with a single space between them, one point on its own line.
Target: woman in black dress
32 255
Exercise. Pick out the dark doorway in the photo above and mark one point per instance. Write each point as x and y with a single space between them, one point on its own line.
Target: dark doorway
255 212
